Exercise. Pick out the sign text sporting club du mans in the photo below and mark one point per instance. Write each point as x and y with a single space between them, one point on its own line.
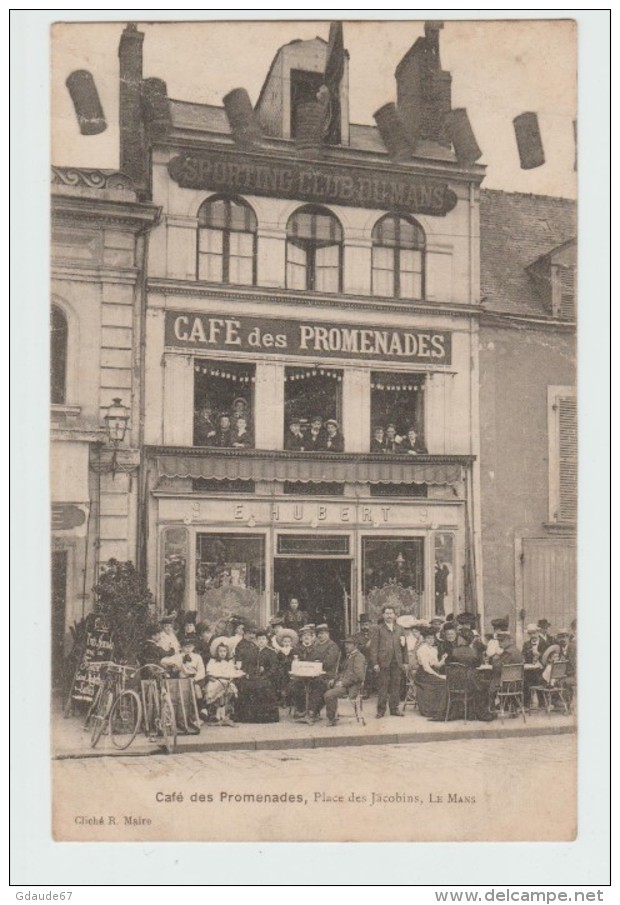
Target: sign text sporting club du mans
331 183
189 330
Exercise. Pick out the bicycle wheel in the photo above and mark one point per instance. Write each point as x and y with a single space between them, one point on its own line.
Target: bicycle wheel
168 723
92 710
125 719
101 717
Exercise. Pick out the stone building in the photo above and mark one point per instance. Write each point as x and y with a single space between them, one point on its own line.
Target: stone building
99 239
528 424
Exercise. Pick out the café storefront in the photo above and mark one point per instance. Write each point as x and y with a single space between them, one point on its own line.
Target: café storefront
240 529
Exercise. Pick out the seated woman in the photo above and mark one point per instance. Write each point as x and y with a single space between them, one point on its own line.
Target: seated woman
256 702
431 690
479 690
220 689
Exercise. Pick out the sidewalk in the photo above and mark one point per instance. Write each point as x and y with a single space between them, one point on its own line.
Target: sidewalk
69 740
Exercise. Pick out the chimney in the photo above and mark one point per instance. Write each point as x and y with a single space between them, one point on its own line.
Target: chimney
529 141
393 133
241 117
155 108
423 89
88 109
133 156
461 134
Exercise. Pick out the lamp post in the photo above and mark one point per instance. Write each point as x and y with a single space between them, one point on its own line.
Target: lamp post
116 422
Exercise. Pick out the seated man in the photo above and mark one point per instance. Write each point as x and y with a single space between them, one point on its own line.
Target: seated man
348 684
307 691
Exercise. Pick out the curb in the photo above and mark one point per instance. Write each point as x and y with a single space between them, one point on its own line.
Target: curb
403 738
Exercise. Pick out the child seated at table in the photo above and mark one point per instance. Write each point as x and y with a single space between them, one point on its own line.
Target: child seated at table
219 688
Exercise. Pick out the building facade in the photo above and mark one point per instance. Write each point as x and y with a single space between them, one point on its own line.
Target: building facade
320 403
99 239
528 415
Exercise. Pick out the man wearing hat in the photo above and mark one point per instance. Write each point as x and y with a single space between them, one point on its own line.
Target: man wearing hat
334 441
494 647
362 640
543 626
307 652
328 651
534 647
387 658
509 653
294 439
392 441
348 683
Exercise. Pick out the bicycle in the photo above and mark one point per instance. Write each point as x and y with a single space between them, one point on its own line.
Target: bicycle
116 707
157 706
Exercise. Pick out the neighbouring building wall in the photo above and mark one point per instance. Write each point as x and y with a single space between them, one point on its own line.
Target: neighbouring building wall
517 366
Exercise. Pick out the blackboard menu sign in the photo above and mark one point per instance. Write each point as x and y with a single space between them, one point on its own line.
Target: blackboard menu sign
97 647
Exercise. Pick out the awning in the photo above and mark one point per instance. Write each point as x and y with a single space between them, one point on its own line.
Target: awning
338 468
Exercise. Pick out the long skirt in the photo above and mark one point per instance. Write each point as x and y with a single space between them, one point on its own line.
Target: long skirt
480 694
432 695
256 702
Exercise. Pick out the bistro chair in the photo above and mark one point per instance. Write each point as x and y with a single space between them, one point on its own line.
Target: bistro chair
411 698
555 690
457 680
510 691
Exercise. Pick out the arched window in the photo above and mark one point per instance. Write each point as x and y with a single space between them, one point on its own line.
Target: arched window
314 251
398 258
59 334
227 242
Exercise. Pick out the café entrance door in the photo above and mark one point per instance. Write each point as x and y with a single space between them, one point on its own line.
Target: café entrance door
323 587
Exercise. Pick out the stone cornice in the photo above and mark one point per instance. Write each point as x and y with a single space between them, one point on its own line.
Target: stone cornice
134 215
270 296
519 321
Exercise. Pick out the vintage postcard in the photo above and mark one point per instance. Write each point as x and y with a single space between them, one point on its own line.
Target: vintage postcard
314 431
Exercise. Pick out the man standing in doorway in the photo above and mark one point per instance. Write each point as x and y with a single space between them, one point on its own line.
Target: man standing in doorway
386 656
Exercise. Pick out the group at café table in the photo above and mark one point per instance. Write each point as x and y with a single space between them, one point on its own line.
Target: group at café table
238 673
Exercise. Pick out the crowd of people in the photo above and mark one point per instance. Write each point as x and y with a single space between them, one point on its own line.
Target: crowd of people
313 435
389 440
240 673
226 429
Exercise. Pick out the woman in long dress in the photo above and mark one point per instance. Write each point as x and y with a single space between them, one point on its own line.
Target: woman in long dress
431 689
479 689
257 701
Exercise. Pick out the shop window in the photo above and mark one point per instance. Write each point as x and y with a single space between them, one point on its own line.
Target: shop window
444 574
59 335
418 491
398 258
223 404
227 242
397 413
312 410
562 421
314 251
393 574
313 488
175 558
230 576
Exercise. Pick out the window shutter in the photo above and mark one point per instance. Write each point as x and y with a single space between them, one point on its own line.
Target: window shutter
567 430
566 276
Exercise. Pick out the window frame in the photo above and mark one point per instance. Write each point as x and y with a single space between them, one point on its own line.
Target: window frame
226 233
397 249
64 364
310 248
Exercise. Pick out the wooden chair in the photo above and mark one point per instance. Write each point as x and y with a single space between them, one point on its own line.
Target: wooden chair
555 690
510 691
457 681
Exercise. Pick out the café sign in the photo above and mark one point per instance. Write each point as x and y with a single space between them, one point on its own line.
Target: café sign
201 332
317 182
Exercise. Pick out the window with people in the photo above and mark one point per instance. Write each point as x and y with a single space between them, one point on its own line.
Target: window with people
398 245
223 404
227 242
397 413
312 410
314 250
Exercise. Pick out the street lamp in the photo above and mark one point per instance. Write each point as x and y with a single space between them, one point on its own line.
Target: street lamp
116 422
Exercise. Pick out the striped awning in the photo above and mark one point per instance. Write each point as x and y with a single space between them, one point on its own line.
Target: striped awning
336 468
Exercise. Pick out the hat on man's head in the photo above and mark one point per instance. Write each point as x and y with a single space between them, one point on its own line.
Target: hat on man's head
466 618
503 636
364 618
562 633
449 627
332 421
316 418
323 627
350 640
500 625
531 628
437 620
306 629
295 420
543 623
